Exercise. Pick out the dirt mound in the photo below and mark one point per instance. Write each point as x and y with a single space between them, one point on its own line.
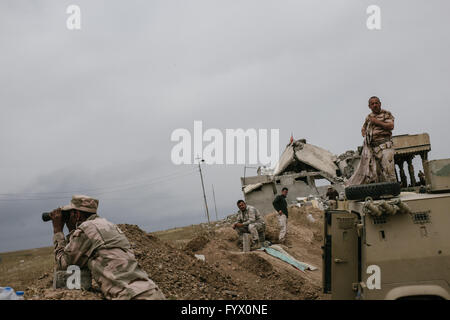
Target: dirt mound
197 244
178 274
298 221
298 217
301 287
253 263
227 234
268 277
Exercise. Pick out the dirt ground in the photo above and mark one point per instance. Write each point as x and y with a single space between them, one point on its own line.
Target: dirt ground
267 277
226 273
19 268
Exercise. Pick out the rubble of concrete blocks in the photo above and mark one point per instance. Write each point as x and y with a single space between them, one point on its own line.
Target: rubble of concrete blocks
311 201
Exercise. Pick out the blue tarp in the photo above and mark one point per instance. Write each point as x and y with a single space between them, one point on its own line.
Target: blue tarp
285 258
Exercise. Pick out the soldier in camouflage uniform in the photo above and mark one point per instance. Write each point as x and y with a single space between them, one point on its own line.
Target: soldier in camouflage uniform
250 221
377 158
101 246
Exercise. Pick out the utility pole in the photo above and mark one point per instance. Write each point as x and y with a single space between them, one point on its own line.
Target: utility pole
203 186
215 207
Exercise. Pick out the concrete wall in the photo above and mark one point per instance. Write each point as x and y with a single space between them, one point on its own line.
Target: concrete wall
262 198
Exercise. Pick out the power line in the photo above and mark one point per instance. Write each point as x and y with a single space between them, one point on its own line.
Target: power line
128 186
93 189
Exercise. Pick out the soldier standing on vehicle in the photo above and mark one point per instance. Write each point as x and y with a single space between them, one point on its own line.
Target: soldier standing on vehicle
102 247
249 221
280 205
377 158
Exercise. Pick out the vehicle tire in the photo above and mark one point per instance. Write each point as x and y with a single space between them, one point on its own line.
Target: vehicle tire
373 190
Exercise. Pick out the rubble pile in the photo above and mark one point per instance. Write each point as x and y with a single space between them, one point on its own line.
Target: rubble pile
348 162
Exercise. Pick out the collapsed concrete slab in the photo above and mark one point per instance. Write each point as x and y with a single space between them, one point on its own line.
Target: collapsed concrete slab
300 155
348 162
300 165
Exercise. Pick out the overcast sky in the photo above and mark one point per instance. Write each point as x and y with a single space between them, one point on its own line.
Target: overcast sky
93 109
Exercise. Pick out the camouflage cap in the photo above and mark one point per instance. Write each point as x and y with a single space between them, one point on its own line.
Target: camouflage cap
82 203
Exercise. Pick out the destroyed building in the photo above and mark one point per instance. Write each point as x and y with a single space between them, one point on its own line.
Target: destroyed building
407 147
302 165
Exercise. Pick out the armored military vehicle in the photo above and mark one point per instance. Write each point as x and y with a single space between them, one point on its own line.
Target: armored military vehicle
381 243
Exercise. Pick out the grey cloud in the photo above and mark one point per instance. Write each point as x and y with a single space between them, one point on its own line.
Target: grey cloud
95 108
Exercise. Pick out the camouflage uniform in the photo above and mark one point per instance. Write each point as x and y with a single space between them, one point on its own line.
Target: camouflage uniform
377 158
252 221
103 248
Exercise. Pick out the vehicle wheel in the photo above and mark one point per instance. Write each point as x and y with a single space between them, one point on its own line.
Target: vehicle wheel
373 190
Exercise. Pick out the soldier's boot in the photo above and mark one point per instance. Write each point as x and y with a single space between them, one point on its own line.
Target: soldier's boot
255 245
